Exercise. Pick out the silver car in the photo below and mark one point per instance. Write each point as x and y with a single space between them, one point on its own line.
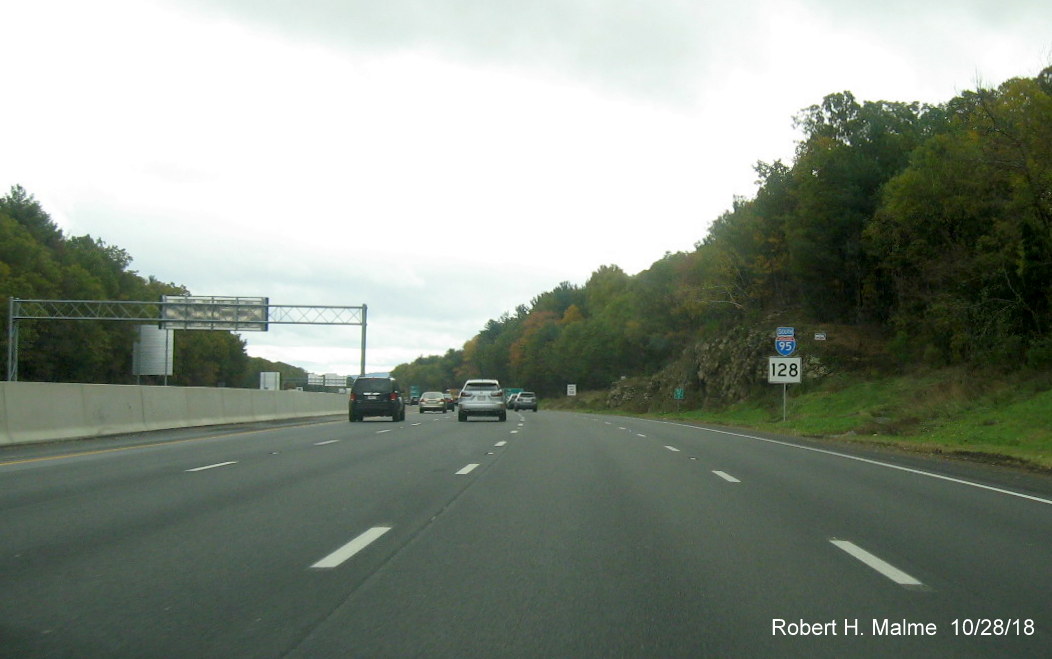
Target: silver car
432 400
481 398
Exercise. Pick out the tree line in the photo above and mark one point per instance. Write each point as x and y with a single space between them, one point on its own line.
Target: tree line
38 261
930 223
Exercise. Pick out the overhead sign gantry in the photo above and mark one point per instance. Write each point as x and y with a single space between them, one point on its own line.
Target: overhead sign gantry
187 312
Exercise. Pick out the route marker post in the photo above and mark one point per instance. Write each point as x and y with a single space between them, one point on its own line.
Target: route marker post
784 370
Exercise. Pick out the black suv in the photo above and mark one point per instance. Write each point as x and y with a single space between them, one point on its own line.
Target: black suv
375 397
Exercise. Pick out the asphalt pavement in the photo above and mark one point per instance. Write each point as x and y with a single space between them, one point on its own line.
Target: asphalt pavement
550 534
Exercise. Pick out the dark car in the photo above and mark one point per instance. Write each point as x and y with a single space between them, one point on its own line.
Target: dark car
375 396
526 400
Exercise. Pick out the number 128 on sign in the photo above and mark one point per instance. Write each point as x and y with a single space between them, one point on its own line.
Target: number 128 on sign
784 370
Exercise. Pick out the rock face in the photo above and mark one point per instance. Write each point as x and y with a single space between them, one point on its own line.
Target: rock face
720 370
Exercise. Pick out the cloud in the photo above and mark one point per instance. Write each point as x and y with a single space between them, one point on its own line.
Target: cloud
643 47
343 152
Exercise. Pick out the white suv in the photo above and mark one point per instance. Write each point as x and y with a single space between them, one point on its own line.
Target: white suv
481 398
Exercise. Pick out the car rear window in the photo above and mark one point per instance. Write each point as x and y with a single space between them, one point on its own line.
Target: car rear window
481 386
372 385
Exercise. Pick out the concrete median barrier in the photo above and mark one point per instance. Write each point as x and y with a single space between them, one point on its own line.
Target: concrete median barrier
45 411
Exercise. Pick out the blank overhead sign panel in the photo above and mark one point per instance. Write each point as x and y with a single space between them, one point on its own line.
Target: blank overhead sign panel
210 312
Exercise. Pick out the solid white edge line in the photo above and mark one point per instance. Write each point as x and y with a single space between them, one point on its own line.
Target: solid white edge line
868 461
215 466
727 477
467 470
885 568
338 557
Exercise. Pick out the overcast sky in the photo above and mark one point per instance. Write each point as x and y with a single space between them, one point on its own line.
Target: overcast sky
442 161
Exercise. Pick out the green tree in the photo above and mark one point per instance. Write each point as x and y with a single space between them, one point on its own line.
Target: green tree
850 151
964 234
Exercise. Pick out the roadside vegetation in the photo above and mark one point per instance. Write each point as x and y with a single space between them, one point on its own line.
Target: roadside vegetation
988 417
921 236
918 237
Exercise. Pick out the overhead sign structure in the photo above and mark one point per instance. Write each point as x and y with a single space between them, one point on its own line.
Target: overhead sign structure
179 312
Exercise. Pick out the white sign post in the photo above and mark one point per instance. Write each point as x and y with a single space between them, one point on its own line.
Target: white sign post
784 371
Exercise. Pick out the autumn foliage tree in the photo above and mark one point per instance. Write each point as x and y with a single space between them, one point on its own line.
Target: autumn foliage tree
930 224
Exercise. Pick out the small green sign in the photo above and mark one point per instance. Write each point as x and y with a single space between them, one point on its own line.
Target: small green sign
681 393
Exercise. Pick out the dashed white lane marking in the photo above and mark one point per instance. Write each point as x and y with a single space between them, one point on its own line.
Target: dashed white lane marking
641 435
380 432
868 461
673 449
501 443
467 470
338 557
326 443
727 477
514 432
885 568
215 466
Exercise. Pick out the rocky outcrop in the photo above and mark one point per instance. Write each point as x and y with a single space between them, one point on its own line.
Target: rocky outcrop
714 372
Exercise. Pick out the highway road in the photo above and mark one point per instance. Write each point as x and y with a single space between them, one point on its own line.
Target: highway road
552 534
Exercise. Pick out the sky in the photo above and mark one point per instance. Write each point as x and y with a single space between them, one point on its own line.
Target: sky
442 161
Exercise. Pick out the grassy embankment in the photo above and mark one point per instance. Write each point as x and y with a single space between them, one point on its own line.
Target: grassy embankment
994 418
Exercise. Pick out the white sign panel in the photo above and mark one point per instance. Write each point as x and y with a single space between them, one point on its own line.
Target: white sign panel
571 390
154 351
784 370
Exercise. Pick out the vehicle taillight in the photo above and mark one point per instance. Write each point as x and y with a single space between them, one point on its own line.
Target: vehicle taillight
394 396
354 397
